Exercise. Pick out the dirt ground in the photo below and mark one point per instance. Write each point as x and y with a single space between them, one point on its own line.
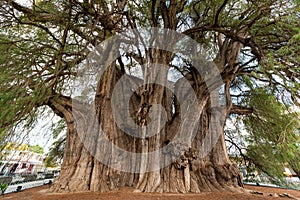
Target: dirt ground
41 193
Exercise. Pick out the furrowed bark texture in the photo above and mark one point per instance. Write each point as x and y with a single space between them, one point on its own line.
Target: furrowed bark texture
189 171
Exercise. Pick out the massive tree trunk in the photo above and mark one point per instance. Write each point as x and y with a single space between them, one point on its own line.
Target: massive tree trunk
190 162
80 170
189 172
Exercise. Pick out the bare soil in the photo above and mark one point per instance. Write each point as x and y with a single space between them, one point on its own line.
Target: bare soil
41 193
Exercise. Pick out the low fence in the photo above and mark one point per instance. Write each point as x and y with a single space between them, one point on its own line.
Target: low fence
17 179
27 185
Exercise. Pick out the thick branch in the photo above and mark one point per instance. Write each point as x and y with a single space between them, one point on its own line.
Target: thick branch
241 110
219 11
255 48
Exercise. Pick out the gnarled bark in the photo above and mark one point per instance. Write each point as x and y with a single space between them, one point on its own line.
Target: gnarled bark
189 171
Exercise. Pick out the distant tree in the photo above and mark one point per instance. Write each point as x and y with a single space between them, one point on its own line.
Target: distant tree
36 149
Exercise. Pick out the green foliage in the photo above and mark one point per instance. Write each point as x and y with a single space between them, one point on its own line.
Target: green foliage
273 134
2 139
56 153
21 90
3 188
36 149
58 128
29 73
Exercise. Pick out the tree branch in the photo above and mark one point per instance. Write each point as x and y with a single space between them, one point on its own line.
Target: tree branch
240 110
216 18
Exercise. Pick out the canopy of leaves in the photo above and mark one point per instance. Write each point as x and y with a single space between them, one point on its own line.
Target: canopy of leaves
272 137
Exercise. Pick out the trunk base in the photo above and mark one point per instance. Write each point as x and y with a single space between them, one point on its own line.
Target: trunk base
196 177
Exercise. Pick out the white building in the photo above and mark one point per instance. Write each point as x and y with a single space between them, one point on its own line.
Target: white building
20 162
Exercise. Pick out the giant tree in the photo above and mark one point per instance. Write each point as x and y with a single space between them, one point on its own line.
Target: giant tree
208 47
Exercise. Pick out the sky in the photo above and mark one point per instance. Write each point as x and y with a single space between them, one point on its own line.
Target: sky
24 2
41 134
